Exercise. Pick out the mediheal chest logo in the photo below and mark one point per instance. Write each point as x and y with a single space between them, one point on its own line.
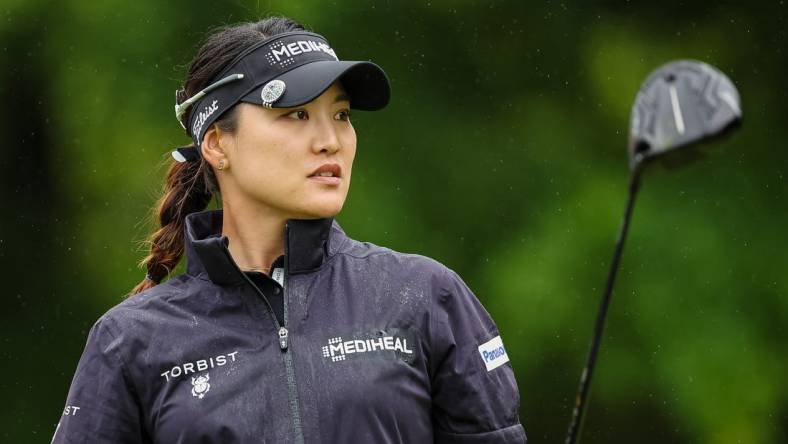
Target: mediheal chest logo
392 344
493 354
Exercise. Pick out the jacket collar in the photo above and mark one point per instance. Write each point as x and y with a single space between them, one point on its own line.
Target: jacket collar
306 246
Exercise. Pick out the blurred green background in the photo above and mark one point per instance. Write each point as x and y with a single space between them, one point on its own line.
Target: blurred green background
502 155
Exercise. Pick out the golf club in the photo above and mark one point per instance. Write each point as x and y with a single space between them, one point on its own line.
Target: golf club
679 105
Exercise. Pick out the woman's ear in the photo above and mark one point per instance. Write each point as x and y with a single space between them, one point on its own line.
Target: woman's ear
213 151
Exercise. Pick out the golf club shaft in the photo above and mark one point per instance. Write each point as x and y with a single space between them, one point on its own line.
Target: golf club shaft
588 371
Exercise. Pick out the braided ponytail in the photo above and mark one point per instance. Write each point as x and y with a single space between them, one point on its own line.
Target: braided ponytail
185 192
189 186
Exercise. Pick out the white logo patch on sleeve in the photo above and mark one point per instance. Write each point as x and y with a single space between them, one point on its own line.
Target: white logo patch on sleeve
493 354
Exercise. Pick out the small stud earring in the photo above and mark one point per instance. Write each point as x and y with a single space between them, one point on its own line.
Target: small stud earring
221 164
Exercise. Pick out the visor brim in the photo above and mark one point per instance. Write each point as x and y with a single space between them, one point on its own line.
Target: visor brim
365 82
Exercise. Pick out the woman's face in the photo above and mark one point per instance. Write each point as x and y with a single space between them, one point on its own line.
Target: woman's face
275 152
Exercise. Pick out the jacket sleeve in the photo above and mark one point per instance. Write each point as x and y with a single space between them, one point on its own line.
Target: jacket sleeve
474 392
101 406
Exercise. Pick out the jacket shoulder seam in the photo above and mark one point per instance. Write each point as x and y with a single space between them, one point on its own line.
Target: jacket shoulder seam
124 368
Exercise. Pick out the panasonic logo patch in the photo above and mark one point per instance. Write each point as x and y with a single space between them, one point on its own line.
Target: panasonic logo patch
493 354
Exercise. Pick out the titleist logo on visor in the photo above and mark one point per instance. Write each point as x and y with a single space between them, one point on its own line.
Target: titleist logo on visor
283 54
203 115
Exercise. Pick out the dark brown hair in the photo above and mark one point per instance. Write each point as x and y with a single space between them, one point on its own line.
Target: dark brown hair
189 186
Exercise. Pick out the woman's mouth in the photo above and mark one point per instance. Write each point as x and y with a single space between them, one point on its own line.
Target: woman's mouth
327 179
329 173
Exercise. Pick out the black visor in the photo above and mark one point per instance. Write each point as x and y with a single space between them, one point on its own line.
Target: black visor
283 71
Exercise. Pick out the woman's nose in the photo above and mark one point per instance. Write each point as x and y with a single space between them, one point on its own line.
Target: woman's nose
326 138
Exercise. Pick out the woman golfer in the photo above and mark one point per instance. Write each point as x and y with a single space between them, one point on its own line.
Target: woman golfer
283 329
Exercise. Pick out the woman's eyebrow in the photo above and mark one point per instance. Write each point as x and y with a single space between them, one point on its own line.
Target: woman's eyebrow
342 97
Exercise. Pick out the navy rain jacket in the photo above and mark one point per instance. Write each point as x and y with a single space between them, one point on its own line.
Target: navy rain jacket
377 346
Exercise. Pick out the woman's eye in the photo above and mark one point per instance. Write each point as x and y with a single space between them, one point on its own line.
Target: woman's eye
300 114
344 115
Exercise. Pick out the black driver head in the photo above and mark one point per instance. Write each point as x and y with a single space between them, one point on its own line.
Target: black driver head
680 104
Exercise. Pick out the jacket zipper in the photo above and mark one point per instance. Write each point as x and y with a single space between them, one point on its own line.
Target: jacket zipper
287 355
284 343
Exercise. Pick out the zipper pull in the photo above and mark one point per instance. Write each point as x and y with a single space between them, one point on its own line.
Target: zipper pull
279 276
283 338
